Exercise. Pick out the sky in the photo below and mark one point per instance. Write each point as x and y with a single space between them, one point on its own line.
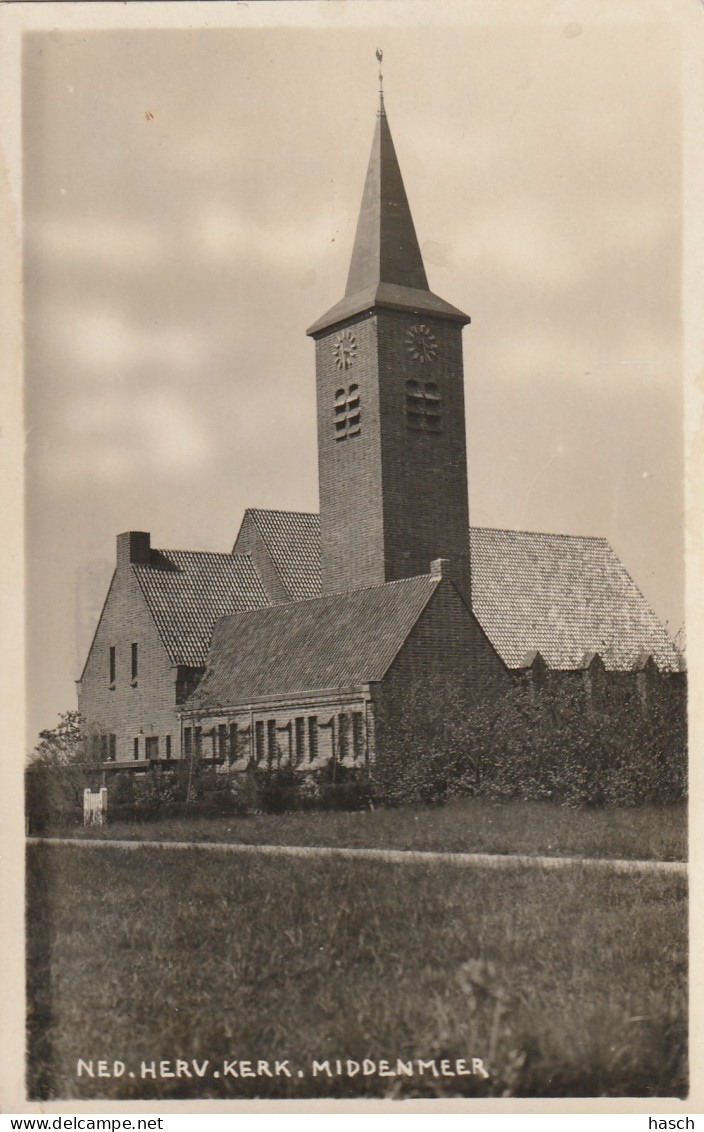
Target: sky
190 201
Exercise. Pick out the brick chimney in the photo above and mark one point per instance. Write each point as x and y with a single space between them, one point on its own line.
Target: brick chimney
440 568
133 547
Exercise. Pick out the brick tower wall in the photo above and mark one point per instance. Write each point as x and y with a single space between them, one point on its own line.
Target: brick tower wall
391 499
424 473
351 499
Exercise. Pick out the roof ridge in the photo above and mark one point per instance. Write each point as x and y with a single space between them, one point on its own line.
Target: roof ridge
280 511
339 593
472 526
202 553
377 586
544 534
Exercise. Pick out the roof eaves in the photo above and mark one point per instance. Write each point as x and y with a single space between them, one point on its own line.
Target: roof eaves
392 296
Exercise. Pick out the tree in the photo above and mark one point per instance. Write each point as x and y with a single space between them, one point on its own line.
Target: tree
61 745
63 763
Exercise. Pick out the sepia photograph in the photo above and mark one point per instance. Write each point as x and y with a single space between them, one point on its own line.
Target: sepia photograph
356 753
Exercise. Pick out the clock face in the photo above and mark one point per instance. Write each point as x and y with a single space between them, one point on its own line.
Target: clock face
344 349
421 343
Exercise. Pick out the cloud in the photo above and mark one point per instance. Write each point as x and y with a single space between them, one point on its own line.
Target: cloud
108 241
118 438
102 338
221 233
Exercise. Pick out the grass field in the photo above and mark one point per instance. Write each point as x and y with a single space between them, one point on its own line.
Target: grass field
469 825
564 984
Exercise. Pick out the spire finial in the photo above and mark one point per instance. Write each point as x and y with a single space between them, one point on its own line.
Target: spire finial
380 56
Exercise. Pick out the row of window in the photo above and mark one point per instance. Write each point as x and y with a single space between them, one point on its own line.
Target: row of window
105 747
304 737
134 660
151 747
423 409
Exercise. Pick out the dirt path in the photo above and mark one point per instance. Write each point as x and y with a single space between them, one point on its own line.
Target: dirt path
396 856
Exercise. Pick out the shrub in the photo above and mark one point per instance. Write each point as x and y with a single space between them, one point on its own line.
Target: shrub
536 743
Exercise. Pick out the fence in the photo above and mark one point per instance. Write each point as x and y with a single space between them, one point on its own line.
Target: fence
95 805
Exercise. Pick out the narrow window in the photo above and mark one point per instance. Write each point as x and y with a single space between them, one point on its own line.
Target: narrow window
136 747
168 746
432 407
357 734
423 406
135 662
300 737
112 664
222 740
353 412
113 748
244 742
187 742
343 741
259 740
313 737
341 414
104 748
198 741
233 742
347 412
152 748
271 740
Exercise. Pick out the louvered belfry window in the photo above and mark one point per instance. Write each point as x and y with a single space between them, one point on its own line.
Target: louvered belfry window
348 420
423 406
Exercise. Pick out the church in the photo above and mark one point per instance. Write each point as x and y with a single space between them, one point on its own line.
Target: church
302 645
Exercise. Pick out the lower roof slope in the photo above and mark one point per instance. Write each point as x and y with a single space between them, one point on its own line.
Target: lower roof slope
333 641
187 591
560 595
563 596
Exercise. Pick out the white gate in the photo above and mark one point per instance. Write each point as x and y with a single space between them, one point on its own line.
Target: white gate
95 806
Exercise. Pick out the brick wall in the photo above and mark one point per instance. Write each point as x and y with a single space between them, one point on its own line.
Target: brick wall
146 705
349 471
391 499
426 508
446 646
325 715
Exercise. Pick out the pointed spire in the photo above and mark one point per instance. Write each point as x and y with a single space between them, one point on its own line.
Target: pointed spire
386 246
386 269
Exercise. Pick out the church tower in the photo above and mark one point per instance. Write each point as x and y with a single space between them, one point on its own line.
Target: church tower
390 395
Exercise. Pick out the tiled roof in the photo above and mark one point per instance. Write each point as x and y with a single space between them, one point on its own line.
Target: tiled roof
564 596
560 595
337 640
293 541
187 591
